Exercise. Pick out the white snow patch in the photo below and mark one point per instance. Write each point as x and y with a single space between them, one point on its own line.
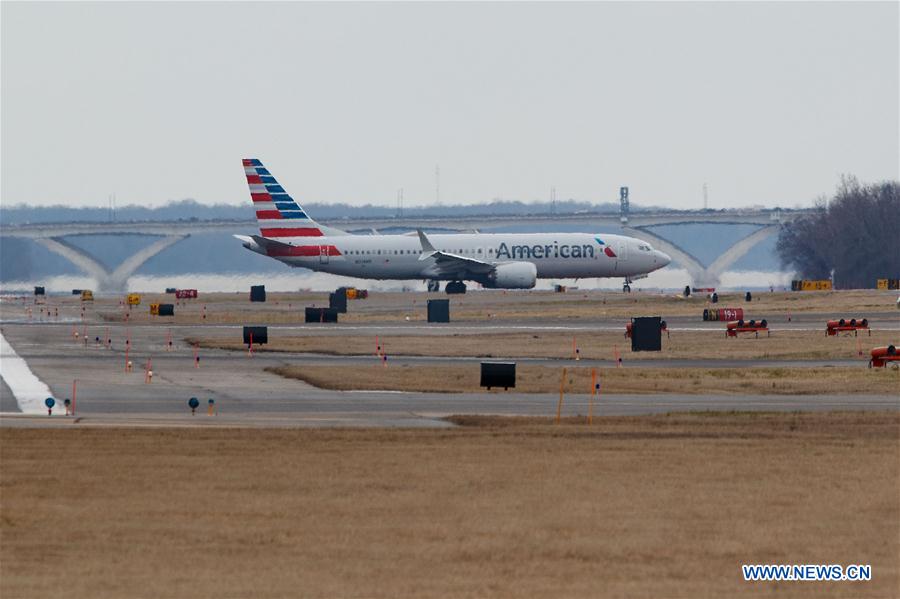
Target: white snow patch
29 391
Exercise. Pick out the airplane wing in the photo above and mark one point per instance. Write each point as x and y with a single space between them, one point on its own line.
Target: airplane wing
449 265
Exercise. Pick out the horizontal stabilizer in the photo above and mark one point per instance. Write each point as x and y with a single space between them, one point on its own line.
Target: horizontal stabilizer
261 245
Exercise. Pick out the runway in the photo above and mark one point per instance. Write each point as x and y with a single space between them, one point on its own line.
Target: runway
246 395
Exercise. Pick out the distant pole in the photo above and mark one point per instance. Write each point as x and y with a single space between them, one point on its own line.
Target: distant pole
553 200
705 197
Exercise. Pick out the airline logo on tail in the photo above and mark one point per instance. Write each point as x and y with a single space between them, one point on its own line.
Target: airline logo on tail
278 214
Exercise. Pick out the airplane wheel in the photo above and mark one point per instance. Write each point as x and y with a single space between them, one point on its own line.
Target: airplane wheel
434 286
626 288
456 287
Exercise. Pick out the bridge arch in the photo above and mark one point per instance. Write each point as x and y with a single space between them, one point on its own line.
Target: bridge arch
115 281
701 275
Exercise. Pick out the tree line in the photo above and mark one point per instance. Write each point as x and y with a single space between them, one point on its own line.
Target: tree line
855 235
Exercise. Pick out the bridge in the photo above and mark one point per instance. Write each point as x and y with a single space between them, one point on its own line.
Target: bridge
53 235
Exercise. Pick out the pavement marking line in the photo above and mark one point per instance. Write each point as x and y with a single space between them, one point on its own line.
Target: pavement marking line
28 390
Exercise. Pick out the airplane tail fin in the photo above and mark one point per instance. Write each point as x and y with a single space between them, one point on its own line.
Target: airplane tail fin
277 213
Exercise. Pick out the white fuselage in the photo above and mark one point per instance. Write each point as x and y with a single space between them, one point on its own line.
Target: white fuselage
555 255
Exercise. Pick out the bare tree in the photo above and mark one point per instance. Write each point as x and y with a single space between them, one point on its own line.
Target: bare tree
856 234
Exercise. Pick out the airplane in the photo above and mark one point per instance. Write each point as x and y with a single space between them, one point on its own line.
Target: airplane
494 260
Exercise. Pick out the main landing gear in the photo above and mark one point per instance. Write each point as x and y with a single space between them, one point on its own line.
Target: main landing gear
626 288
434 286
456 287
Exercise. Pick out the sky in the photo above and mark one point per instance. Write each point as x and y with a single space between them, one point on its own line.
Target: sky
766 103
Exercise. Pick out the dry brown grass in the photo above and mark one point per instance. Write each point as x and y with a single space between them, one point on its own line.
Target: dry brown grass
541 306
662 506
447 378
701 345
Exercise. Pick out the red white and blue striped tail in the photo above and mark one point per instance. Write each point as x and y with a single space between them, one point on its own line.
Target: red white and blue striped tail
277 213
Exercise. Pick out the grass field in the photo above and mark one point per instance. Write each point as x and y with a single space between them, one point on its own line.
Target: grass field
494 306
661 506
698 345
463 378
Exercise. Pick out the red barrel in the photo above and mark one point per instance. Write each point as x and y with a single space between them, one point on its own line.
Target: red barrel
853 322
731 313
882 352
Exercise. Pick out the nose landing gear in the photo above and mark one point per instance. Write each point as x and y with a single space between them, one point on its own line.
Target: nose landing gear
626 288
434 286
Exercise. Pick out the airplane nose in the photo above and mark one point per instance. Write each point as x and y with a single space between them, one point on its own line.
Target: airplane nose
663 258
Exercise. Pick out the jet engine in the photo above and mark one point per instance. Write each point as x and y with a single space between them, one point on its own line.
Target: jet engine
512 275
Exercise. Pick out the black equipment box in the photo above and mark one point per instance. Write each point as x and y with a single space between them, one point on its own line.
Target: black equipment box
258 335
438 310
646 333
167 310
321 315
258 293
498 374
338 300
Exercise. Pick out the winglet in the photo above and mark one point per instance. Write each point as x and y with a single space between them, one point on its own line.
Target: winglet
427 249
